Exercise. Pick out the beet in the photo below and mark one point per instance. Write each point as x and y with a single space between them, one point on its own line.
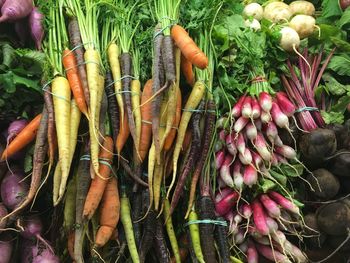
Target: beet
327 186
341 164
317 238
341 134
335 241
334 218
13 191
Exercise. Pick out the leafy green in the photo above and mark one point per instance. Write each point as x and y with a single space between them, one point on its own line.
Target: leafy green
340 64
332 117
344 20
330 11
333 86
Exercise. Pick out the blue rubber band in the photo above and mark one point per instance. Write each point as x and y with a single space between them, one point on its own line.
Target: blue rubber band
207 221
306 109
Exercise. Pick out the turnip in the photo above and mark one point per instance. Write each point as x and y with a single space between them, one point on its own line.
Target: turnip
36 20
303 24
44 255
2 2
290 39
15 128
13 10
253 24
6 247
302 7
277 12
254 10
13 189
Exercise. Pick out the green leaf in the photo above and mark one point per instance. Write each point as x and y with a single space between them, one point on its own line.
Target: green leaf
344 21
341 44
330 11
9 55
290 170
279 177
28 160
340 65
341 104
267 185
332 117
333 86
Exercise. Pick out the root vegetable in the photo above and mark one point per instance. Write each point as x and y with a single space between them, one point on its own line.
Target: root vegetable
328 184
13 189
334 218
290 39
277 12
304 25
254 10
302 7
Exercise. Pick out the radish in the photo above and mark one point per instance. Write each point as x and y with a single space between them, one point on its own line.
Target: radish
13 189
253 10
265 101
277 12
233 229
222 135
251 131
279 117
344 4
231 147
275 256
247 211
278 141
240 143
296 253
256 109
272 224
271 206
223 193
265 117
261 146
279 236
239 237
284 202
225 170
13 10
290 39
243 247
257 160
245 158
219 159
225 204
259 218
237 175
286 106
258 124
252 253
237 108
253 24
250 175
36 20
221 183
247 107
240 124
286 151
271 131
302 7
304 25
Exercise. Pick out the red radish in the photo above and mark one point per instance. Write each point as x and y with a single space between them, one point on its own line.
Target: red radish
259 218
279 117
230 144
275 256
240 143
239 237
284 202
246 158
256 109
258 124
225 170
223 193
265 117
251 131
237 175
271 207
254 232
232 227
271 131
279 236
286 106
247 210
13 189
280 159
222 135
264 240
237 218
221 183
219 159
286 151
240 124
250 175
225 204
261 146
278 141
15 128
237 109
243 247
272 224
36 20
257 160
252 253
296 253
274 160
13 10
3 212
265 101
247 107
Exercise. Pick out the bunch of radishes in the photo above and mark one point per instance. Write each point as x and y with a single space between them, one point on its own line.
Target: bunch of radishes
296 19
23 13
262 226
251 145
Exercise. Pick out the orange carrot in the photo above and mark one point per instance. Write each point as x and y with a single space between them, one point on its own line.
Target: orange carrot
23 138
110 211
187 141
188 47
146 117
187 70
123 135
171 136
71 68
98 184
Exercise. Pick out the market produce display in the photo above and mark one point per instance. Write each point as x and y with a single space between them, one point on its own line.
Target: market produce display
174 131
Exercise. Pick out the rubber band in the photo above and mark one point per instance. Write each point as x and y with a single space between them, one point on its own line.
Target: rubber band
124 77
163 29
258 79
104 161
78 46
133 93
147 122
82 63
206 221
52 93
306 109
196 110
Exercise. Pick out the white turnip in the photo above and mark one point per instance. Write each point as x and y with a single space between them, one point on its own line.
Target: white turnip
303 24
277 12
290 39
254 10
302 7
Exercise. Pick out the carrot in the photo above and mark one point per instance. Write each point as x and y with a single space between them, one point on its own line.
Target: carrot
206 141
70 243
110 211
188 47
195 238
40 151
151 166
136 213
77 45
146 120
98 184
83 181
172 134
127 224
113 54
123 135
187 141
170 230
221 233
135 102
161 248
183 250
51 131
70 65
69 205
187 70
23 138
191 104
157 182
113 109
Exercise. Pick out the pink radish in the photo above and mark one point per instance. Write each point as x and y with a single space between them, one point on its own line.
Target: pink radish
265 117
286 151
275 256
259 218
271 131
230 144
250 175
222 193
284 202
263 240
221 183
222 135
239 237
274 160
279 117
240 143
280 158
246 158
286 106
256 109
219 159
251 131
261 146
237 109
258 124
225 170
232 227
225 204
247 107
247 210
257 160
271 206
297 254
240 124
272 224
279 237
265 101
237 175
278 141
243 247
252 253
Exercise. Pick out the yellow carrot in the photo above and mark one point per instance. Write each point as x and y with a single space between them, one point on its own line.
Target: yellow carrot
135 102
151 164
